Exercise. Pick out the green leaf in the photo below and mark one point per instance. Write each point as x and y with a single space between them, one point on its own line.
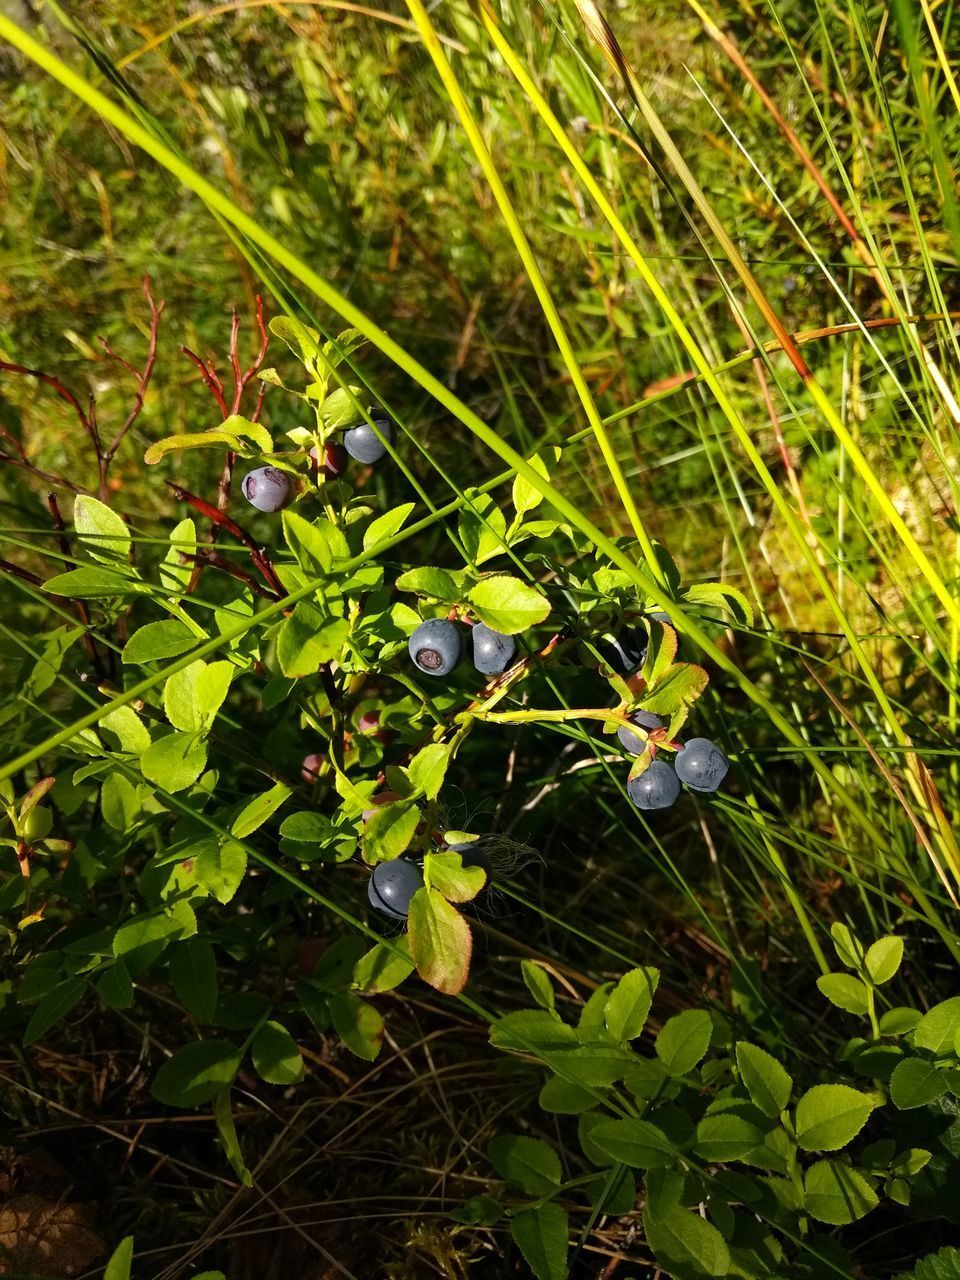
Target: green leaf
915 1082
845 991
638 1143
683 1041
114 986
566 1099
101 531
532 1031
627 1006
175 575
726 1136
681 1239
192 697
255 813
343 407
227 1129
478 1211
53 1008
315 544
836 1193
193 974
358 1024
525 496
883 959
482 530
847 945
909 1163
541 1236
680 687
389 830
895 1022
718 595
174 762
303 342
308 639
938 1027
428 768
243 428
196 1073
529 1163
215 439
221 867
129 729
508 605
831 1115
121 1260
767 1082
143 939
334 970
119 802
538 983
276 1057
440 941
158 640
90 583
307 827
433 584
382 968
387 525
446 873
942 1265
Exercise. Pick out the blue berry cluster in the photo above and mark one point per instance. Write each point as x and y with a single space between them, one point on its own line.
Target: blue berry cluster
700 765
438 645
270 489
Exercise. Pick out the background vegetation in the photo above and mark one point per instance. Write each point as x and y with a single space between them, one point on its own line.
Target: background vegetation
780 169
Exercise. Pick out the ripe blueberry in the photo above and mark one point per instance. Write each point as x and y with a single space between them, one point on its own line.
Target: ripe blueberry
335 459
267 488
657 788
37 823
435 647
633 742
491 652
701 765
310 767
392 885
362 442
625 652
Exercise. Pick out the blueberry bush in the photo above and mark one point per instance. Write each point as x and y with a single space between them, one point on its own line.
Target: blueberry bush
553 558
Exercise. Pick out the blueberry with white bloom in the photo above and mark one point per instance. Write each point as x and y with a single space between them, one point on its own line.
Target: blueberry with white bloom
656 788
362 442
491 651
392 886
701 765
267 488
635 743
435 647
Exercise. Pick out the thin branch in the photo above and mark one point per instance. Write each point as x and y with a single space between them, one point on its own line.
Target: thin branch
23 464
222 521
208 555
79 605
210 378
23 574
144 376
50 381
241 380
